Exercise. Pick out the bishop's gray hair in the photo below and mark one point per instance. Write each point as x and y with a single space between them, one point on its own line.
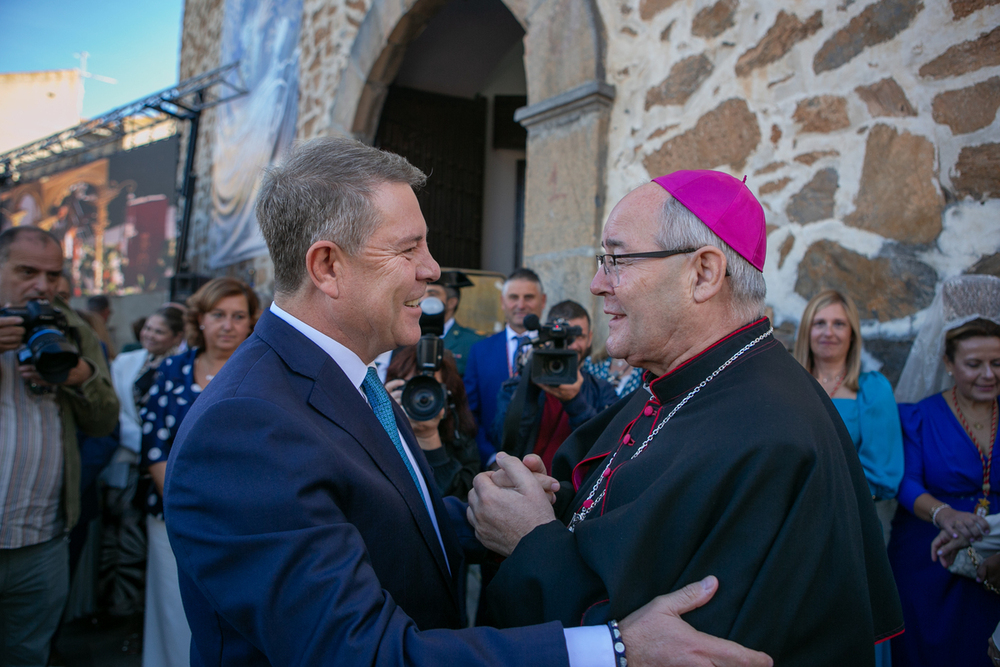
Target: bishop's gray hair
323 191
680 228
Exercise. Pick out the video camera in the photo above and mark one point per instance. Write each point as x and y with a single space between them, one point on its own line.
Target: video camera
551 362
423 396
45 343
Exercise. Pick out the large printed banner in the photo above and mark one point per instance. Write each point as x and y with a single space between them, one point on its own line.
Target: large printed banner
115 218
258 128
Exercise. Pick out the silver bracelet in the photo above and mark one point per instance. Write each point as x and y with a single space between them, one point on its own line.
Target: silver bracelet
617 643
934 513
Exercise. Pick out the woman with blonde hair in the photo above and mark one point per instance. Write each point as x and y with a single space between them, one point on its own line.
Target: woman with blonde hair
828 345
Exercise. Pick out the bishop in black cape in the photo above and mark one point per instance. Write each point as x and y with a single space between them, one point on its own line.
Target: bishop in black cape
754 480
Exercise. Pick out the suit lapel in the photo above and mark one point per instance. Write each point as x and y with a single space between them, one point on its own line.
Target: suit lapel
448 537
337 399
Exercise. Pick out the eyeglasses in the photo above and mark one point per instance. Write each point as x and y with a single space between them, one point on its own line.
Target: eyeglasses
614 260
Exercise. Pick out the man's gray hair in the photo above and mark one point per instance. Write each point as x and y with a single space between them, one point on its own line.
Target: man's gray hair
323 191
680 228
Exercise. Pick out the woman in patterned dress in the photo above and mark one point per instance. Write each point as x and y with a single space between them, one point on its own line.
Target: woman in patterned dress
220 316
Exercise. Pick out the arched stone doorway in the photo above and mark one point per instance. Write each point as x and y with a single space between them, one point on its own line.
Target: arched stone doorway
566 118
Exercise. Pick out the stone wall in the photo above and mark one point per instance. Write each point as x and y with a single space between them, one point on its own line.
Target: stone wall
868 129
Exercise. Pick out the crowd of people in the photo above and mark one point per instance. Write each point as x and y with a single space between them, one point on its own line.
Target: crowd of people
262 497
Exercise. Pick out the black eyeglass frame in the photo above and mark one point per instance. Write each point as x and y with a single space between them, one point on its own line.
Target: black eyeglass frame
655 254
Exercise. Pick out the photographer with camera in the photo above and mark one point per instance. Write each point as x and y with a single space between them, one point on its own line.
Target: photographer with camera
448 439
549 406
425 381
53 380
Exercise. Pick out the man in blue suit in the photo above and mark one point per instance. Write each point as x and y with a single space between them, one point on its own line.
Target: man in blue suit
494 360
297 500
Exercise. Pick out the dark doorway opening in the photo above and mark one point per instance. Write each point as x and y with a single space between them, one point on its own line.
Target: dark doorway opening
444 136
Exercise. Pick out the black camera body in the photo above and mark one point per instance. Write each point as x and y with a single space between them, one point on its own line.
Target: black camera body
423 396
45 344
551 361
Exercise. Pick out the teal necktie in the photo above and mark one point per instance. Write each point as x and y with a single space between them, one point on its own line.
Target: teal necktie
381 404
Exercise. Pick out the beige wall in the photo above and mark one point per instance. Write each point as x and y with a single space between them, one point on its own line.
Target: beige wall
34 105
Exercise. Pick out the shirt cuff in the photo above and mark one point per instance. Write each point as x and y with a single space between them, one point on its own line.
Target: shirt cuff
589 646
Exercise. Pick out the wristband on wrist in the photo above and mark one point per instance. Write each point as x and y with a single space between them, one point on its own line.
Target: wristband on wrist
934 513
617 643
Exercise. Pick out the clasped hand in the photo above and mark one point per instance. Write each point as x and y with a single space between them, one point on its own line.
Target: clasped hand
508 503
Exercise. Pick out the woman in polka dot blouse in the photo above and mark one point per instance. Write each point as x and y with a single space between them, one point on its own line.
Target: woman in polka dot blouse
220 316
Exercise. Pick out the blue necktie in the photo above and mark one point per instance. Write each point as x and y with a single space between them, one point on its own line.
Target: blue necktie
381 404
519 342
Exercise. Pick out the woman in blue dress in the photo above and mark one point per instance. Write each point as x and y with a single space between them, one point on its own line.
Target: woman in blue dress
828 345
950 483
220 316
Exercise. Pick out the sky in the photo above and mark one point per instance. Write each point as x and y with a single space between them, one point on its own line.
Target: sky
136 42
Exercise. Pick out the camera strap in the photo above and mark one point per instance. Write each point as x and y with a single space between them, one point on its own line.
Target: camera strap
515 410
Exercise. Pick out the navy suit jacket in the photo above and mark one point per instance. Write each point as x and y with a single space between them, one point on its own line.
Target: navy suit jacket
299 535
485 371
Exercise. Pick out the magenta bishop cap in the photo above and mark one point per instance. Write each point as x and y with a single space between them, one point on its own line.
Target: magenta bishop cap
726 205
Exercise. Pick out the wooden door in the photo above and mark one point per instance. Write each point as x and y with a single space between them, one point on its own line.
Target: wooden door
445 137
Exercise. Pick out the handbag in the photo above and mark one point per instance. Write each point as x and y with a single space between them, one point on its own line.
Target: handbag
967 560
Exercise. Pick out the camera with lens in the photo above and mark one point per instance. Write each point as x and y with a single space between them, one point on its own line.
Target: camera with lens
45 344
551 361
423 396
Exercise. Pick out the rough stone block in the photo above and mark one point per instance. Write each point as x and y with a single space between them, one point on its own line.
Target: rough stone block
726 135
888 287
822 114
814 202
968 109
715 20
877 23
809 159
769 168
786 32
885 98
898 197
984 51
685 77
774 186
650 8
775 134
989 265
786 247
892 353
962 8
978 171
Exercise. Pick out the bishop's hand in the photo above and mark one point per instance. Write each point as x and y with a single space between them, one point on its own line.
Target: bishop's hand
503 514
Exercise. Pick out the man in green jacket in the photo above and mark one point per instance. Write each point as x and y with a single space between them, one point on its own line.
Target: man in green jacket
39 456
457 339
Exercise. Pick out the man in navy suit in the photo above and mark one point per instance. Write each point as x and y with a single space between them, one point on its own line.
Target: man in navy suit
494 360
297 500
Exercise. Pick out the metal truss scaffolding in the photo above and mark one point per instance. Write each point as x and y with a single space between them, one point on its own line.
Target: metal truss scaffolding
185 101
